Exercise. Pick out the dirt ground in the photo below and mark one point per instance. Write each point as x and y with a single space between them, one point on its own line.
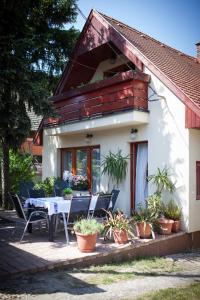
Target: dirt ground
83 284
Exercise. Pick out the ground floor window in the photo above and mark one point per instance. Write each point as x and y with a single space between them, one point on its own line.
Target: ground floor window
83 161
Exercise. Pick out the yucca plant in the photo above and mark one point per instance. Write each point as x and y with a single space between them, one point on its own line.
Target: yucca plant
162 181
117 221
115 166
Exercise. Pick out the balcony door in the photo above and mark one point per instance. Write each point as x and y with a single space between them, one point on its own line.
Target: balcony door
83 161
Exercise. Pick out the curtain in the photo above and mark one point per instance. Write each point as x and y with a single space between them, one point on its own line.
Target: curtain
141 185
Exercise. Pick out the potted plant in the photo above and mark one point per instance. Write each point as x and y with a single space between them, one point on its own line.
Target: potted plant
80 183
86 231
173 212
163 182
67 194
118 225
144 219
115 166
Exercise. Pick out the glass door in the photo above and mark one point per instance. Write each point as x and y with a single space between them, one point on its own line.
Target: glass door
67 161
81 162
95 170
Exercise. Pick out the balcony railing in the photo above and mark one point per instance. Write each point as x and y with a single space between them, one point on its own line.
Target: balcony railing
125 91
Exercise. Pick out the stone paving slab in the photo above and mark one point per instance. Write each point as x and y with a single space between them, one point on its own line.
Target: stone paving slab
36 253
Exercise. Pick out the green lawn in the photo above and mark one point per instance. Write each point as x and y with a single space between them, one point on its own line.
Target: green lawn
191 292
110 273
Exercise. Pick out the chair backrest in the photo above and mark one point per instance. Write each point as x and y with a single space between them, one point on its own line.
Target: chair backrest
102 204
36 193
18 206
24 187
58 192
79 208
115 194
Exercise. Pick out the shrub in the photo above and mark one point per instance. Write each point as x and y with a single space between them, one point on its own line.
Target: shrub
47 185
21 169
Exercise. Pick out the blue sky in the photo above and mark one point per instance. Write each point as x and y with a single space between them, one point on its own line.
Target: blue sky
173 22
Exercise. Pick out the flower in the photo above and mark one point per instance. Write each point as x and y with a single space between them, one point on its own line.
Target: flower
80 182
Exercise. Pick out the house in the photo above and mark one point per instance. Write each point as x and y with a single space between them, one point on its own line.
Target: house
29 147
125 90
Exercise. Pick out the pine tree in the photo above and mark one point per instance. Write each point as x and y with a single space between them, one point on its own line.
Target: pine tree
34 45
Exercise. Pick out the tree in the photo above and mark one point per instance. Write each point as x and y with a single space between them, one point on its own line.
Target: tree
34 44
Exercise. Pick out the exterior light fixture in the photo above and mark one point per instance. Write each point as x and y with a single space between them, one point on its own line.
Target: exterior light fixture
133 133
88 138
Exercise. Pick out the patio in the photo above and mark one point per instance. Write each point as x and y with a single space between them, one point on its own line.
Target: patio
36 253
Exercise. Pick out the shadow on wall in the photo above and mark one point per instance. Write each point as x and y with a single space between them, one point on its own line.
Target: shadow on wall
168 139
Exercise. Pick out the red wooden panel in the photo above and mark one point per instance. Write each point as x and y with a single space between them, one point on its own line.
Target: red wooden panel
191 119
197 180
108 96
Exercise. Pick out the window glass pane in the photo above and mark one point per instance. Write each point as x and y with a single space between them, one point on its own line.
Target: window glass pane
95 170
67 161
81 162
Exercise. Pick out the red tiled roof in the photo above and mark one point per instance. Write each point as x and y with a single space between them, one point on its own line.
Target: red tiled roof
183 70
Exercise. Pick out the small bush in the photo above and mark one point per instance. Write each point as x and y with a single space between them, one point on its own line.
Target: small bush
88 226
47 185
172 211
67 191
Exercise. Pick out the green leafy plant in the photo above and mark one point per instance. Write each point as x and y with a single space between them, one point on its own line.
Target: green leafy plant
118 221
171 210
154 205
67 191
115 166
162 181
88 226
47 185
143 214
21 169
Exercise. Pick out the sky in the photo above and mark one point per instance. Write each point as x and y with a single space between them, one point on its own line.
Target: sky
173 22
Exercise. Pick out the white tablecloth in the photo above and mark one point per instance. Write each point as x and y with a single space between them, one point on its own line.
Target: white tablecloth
57 205
54 205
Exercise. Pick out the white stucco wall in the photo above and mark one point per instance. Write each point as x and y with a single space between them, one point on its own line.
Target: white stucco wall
169 142
168 145
194 155
107 65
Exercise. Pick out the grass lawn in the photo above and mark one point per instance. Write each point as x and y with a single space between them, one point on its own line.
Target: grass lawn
110 273
191 292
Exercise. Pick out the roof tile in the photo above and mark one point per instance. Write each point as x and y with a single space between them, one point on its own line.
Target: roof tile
182 69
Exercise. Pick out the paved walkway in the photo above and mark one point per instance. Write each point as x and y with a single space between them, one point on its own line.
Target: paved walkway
62 285
36 253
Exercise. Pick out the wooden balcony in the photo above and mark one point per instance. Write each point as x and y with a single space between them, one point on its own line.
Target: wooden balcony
123 92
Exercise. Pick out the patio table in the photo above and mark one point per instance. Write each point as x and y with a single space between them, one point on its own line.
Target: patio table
55 205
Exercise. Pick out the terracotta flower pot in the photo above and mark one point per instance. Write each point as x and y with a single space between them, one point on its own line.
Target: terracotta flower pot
144 230
165 226
120 236
176 226
68 197
86 243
